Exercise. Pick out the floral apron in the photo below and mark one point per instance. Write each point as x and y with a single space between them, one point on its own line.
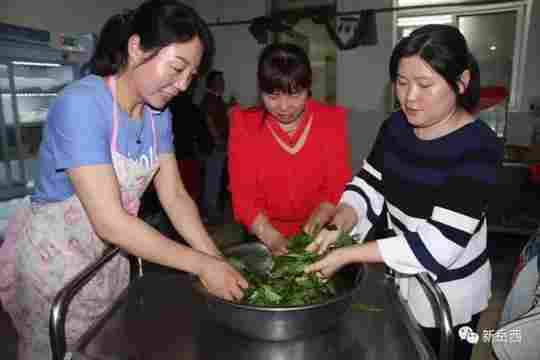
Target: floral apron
48 244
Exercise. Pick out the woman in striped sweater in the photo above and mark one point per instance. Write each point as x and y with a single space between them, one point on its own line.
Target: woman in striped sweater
433 168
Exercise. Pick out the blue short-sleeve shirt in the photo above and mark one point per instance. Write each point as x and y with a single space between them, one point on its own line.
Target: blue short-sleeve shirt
78 132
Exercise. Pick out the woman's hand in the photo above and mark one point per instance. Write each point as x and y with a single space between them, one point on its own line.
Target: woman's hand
275 241
221 279
319 217
272 238
336 259
344 219
324 240
331 263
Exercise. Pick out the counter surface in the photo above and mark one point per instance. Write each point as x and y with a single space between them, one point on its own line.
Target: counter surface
161 317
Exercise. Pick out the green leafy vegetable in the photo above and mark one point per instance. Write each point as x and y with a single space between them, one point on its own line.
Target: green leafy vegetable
287 284
344 240
365 307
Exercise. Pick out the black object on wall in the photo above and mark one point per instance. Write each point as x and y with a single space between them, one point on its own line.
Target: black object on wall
364 30
261 26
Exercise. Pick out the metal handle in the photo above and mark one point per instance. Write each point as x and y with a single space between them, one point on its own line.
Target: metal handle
57 320
443 317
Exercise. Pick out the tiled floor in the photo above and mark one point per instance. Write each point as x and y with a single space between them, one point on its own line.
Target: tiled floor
503 254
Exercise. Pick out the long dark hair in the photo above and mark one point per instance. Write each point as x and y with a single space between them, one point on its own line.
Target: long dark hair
158 23
445 49
283 67
212 77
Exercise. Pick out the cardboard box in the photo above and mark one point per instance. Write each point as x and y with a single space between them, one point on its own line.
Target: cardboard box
533 153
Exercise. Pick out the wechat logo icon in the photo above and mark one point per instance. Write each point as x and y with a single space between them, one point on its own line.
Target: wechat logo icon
468 334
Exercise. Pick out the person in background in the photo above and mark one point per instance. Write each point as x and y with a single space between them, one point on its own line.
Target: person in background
187 121
187 130
215 111
289 156
430 175
102 146
520 318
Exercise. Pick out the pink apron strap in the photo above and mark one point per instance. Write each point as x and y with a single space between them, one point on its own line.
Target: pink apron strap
111 83
155 136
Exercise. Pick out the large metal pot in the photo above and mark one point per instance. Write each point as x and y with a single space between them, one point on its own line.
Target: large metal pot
286 322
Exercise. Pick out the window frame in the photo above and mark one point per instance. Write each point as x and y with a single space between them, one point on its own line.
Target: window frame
523 14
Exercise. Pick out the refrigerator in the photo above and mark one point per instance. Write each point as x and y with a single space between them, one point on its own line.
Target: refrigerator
32 73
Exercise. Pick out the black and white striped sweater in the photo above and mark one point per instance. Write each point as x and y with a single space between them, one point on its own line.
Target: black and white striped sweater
436 193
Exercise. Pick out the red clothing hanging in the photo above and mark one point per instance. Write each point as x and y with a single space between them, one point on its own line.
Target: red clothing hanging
534 173
491 96
285 187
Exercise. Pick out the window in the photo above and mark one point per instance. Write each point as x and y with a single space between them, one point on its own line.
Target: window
497 48
314 39
322 53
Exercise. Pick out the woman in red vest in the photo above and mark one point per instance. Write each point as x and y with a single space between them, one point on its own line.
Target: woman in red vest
289 156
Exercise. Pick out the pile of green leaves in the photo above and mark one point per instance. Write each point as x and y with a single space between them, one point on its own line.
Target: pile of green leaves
287 284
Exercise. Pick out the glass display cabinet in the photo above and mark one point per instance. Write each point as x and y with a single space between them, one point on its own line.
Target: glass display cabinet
27 89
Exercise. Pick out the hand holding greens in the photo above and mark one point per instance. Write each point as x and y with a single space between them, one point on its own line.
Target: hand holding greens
286 284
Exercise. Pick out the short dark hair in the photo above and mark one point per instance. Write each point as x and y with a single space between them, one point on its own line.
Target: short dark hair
445 49
158 23
285 68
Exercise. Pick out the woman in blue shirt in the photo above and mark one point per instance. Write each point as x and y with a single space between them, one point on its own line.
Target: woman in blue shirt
104 142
